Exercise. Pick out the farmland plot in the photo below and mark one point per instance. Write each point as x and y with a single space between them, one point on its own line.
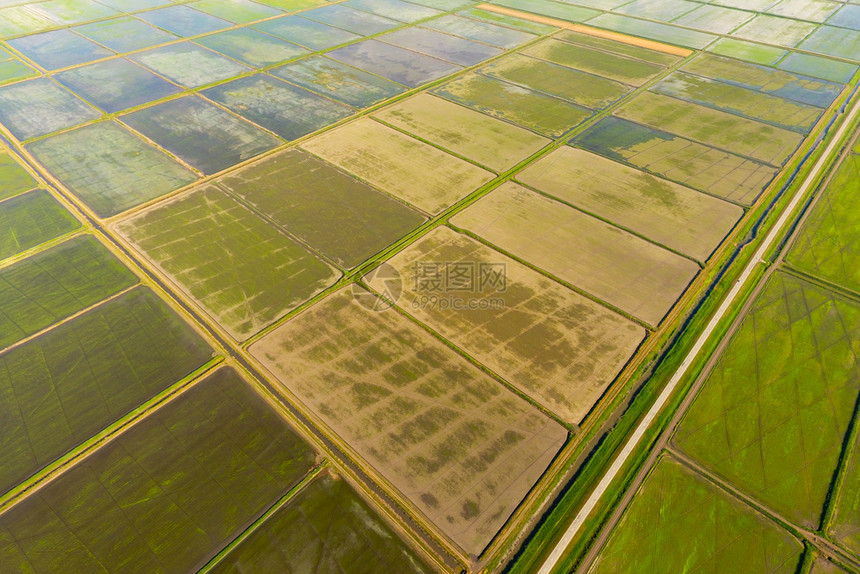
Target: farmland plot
58 49
773 414
398 164
395 9
487 141
698 166
124 34
760 141
165 495
252 47
829 243
12 69
63 387
833 41
461 447
52 285
351 20
681 522
668 213
183 21
818 67
618 48
238 11
243 271
394 63
443 46
327 526
38 107
553 344
638 277
341 217
748 51
189 65
534 110
30 219
715 19
307 33
14 179
498 36
774 30
109 168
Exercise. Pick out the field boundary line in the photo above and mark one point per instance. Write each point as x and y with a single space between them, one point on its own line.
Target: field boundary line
625 453
588 30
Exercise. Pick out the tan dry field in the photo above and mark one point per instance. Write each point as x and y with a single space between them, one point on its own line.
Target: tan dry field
485 140
398 164
668 213
553 344
732 133
463 448
615 266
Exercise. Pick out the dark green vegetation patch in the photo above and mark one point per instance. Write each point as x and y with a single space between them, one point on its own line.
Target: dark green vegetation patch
31 219
55 284
167 494
327 527
680 522
829 244
63 387
334 213
14 179
773 414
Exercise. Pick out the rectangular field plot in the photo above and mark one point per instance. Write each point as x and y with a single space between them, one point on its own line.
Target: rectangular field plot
594 61
818 67
165 495
351 20
461 447
773 414
397 64
780 83
242 270
63 387
16 20
58 49
487 141
775 30
116 85
670 214
189 65
118 171
252 47
124 34
14 69
740 101
810 10
326 525
443 46
498 36
833 41
183 21
662 33
338 81
701 167
55 284
618 48
287 110
201 134
663 10
37 107
505 20
844 526
394 9
679 521
615 266
829 243
556 346
562 82
732 133
714 19
748 51
539 112
341 217
398 164
238 11
31 219
14 179
307 33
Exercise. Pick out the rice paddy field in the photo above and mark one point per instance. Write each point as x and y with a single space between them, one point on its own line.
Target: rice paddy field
358 285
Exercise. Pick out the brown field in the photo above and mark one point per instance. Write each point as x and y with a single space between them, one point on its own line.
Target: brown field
555 345
615 266
668 213
481 138
403 166
464 449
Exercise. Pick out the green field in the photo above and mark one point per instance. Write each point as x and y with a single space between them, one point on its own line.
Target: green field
461 447
714 171
326 527
341 217
165 495
14 179
109 168
829 243
732 133
680 522
30 219
242 270
66 385
55 284
619 48
844 527
773 414
531 109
